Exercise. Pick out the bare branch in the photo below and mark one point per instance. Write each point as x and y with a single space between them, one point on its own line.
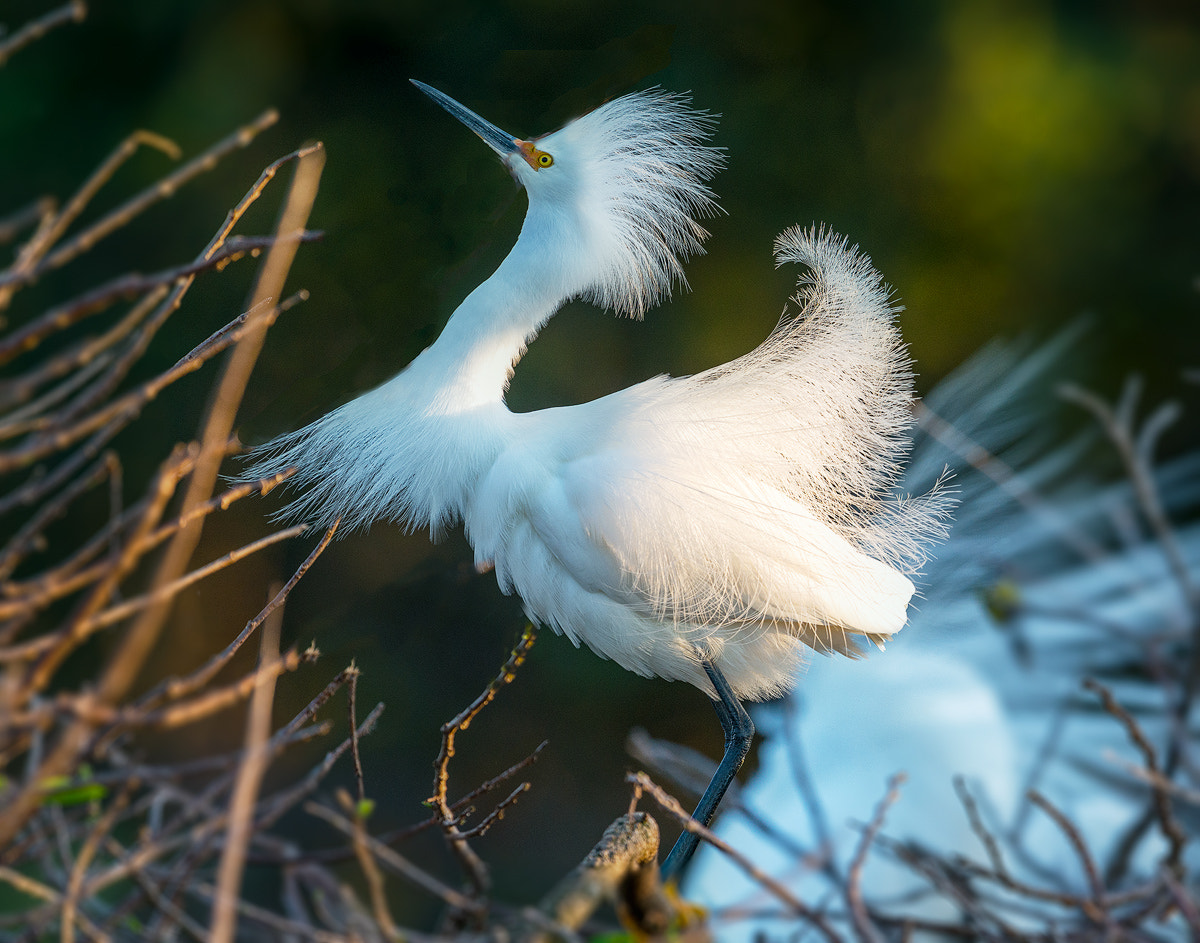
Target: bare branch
73 12
643 782
255 754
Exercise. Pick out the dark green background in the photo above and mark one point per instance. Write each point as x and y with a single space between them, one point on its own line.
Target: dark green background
1008 165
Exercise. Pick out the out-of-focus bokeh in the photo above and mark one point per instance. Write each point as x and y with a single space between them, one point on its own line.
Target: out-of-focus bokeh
1007 165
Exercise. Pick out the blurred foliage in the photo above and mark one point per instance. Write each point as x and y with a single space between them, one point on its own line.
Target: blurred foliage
1008 164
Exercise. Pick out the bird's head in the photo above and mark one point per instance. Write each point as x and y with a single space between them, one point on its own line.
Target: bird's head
615 194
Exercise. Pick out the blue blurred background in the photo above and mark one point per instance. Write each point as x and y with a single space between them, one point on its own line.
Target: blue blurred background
1008 165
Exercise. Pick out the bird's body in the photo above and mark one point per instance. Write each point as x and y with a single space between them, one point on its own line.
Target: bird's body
726 521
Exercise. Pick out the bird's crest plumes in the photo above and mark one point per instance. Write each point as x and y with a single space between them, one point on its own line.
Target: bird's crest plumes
638 167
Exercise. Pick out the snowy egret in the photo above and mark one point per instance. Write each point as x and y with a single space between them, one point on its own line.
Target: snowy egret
710 528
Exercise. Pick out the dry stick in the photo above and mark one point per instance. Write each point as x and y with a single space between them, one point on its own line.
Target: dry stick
352 707
210 702
1096 909
79 370
136 646
863 925
138 603
26 216
496 814
280 802
75 883
395 862
217 699
175 688
65 752
284 926
620 866
1007 479
333 855
74 573
472 864
643 782
256 754
1136 452
75 11
46 483
118 413
366 861
999 869
133 284
70 362
42 483
53 228
174 588
160 190
1187 906
25 539
172 471
1175 833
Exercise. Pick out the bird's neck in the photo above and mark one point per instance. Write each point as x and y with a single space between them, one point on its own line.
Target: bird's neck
472 360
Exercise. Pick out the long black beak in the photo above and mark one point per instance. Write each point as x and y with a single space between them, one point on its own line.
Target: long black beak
499 141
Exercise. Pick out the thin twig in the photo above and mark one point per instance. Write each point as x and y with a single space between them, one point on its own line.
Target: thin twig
366 861
131 286
643 782
136 646
861 919
1096 909
256 753
472 864
394 860
73 12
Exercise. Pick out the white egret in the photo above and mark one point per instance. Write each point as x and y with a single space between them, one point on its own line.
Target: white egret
710 528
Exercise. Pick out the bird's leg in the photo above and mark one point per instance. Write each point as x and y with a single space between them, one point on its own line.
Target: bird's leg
739 732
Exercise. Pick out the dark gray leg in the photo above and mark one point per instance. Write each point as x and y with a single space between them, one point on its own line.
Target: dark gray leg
739 732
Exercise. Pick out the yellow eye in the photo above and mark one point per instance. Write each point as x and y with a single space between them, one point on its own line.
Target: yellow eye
536 159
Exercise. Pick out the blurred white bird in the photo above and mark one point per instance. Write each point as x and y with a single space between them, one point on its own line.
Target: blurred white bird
957 696
709 528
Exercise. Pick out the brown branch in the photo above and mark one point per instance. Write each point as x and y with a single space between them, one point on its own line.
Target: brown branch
120 412
396 862
496 814
29 215
133 285
644 783
163 188
1136 451
475 868
174 688
27 537
136 646
84 859
863 925
366 861
68 576
256 755
171 590
1174 832
123 610
65 752
626 855
73 12
1096 909
53 227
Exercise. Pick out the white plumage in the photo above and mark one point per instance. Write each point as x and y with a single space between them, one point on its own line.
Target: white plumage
739 516
744 509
